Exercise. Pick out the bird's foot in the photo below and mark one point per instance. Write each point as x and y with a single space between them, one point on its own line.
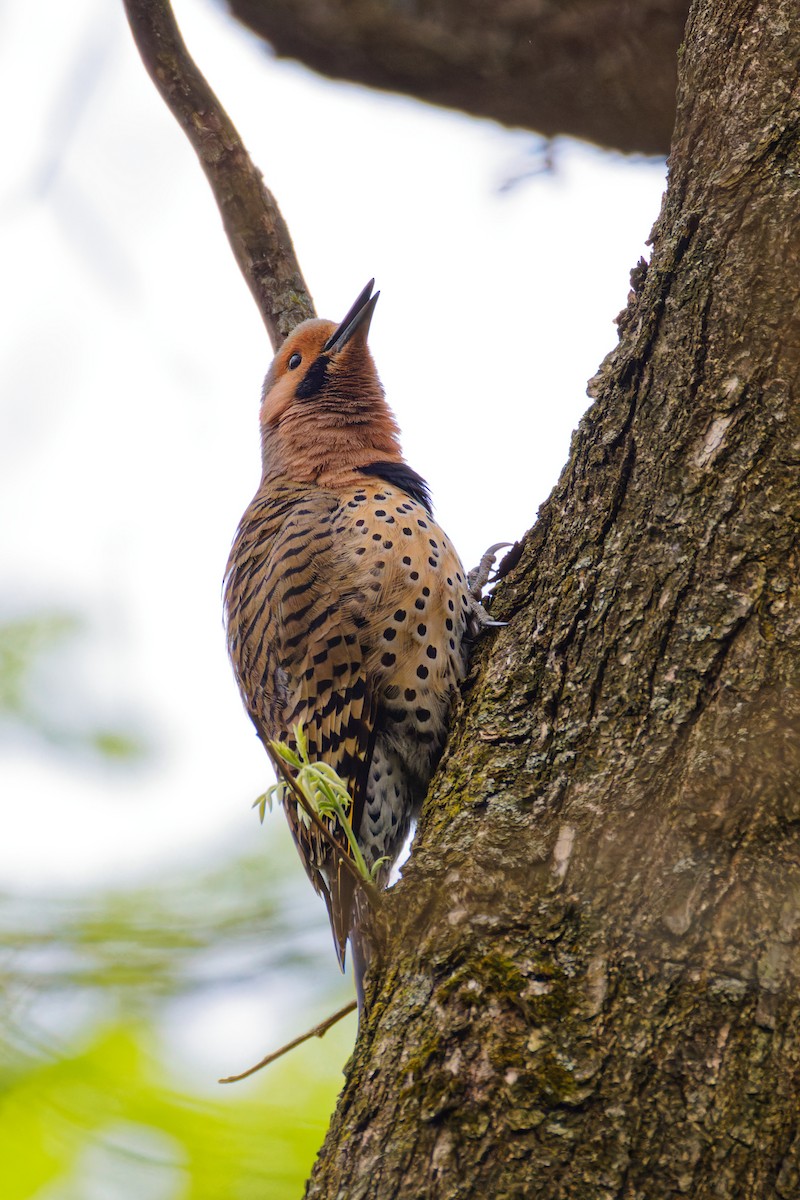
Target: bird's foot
478 577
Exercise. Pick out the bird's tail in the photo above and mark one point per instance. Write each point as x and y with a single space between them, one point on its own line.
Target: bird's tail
361 953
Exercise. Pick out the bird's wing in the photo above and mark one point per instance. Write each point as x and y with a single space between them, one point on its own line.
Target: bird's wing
319 641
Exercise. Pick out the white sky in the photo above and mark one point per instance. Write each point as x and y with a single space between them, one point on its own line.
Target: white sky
132 357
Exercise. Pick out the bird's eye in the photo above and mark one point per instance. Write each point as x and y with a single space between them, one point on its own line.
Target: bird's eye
295 361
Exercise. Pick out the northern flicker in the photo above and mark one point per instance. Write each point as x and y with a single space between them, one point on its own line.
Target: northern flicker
347 608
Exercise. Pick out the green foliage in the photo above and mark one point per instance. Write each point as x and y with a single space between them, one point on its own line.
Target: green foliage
25 645
22 642
102 1117
93 1098
98 1112
138 946
324 791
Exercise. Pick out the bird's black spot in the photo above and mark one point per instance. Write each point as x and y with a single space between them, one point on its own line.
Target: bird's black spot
413 575
420 605
434 562
422 630
451 606
387 545
406 561
422 524
400 615
431 652
388 659
422 672
314 379
376 537
389 634
380 512
448 624
410 694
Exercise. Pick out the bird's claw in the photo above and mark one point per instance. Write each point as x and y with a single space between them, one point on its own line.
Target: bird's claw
478 577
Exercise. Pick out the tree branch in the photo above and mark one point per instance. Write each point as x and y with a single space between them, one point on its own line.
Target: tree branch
256 230
602 70
318 1031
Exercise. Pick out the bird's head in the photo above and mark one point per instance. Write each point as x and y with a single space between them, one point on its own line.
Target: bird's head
323 413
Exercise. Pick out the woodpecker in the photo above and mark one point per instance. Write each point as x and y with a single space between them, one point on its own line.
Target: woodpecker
347 608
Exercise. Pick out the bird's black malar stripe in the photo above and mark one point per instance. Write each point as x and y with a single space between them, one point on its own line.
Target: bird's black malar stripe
400 475
314 378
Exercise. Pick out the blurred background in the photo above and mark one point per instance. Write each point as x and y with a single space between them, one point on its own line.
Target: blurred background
154 935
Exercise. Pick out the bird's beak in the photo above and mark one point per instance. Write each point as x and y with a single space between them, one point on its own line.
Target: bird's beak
358 318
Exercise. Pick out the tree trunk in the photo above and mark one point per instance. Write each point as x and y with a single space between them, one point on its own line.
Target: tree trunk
590 986
603 70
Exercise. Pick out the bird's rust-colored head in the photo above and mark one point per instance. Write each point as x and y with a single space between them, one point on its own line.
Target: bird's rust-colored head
323 413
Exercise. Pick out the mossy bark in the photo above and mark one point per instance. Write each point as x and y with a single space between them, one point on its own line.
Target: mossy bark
590 987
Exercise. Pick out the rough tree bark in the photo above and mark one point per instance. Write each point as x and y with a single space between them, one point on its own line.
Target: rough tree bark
591 984
603 70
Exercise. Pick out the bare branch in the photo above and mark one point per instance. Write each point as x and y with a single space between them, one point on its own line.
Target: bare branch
256 230
318 1031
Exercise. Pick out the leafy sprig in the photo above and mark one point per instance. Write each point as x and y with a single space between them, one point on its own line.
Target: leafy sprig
323 789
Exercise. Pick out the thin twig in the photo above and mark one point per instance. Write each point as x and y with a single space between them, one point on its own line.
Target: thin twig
318 1031
256 230
281 771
